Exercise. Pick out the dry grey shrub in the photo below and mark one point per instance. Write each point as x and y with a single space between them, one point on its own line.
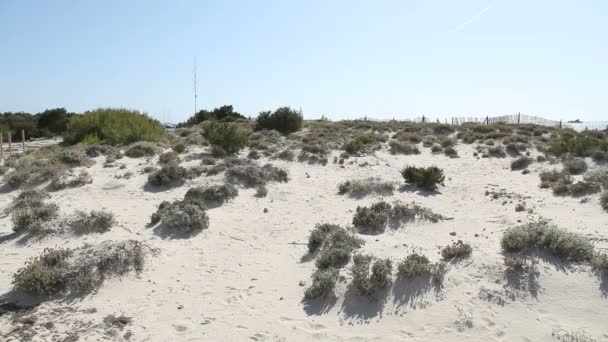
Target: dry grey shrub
142 149
369 283
363 187
375 218
597 175
398 147
30 212
70 181
575 166
81 270
543 235
252 175
214 194
93 222
187 216
323 284
458 250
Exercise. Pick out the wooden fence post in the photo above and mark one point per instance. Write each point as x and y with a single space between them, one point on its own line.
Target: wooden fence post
518 118
22 141
1 147
10 146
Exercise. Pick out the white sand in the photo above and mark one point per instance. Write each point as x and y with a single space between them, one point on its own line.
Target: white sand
238 280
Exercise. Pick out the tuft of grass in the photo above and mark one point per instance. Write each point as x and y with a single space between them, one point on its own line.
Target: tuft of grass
363 187
458 250
521 163
369 283
215 194
93 222
74 157
142 149
497 152
424 177
542 235
81 270
323 284
252 175
598 175
450 152
30 212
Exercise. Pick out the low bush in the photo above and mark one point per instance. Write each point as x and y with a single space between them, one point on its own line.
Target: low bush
252 175
286 155
93 222
375 218
575 166
30 171
170 157
214 194
186 216
371 283
521 163
284 120
58 271
363 187
318 235
542 235
415 265
70 181
579 189
30 212
74 157
323 284
179 148
168 176
336 248
497 152
424 177
142 149
598 175
112 126
600 157
231 137
354 146
450 152
397 147
458 250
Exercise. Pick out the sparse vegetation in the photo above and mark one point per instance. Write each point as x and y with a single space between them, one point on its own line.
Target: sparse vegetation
423 177
73 157
93 222
168 176
375 218
252 175
323 284
604 200
80 270
398 147
336 247
170 157
521 163
575 166
379 279
542 235
112 126
214 194
363 187
598 175
457 250
30 212
186 216
142 149
415 265
230 136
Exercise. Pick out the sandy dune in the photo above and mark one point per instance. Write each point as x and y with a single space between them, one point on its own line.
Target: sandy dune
240 279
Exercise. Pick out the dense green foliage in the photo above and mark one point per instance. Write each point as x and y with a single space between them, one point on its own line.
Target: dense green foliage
223 113
48 123
113 126
229 136
284 120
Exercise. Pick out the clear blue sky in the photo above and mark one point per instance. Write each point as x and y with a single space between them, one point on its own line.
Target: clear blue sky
343 59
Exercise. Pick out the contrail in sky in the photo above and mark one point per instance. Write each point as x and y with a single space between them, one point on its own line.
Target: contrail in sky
473 18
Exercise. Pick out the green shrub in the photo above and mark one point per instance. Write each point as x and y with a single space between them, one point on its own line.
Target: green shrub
84 269
415 265
112 126
599 262
424 177
223 113
168 176
336 249
251 175
73 157
599 176
170 157
318 235
231 137
379 279
397 147
497 152
521 163
93 222
354 146
179 148
142 149
542 235
286 155
363 187
375 218
185 216
323 284
450 152
214 194
579 189
29 171
284 120
458 250
575 166
30 211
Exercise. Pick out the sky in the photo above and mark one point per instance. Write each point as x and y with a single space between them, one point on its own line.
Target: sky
343 59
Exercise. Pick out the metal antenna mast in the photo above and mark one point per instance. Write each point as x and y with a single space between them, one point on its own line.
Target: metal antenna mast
195 86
